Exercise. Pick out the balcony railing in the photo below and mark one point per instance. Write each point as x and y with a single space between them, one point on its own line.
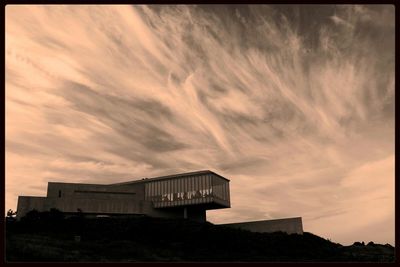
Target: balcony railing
174 200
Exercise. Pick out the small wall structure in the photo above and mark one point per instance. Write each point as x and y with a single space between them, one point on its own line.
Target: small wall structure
288 225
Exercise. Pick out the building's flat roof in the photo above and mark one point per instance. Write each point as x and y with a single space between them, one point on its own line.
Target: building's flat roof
145 180
33 196
77 183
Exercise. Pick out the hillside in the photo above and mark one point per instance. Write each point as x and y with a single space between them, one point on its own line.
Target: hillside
44 237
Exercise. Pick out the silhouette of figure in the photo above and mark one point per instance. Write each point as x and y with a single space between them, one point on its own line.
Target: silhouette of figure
198 194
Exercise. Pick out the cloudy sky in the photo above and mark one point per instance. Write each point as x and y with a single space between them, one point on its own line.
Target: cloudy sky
294 104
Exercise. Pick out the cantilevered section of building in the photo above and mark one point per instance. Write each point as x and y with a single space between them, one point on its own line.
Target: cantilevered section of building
186 195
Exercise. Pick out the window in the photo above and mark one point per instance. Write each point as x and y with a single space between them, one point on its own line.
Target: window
59 193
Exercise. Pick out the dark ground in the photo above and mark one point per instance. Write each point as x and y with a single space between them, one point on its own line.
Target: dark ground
50 237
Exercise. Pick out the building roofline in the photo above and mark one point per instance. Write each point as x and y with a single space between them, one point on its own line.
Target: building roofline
33 196
76 183
144 180
171 176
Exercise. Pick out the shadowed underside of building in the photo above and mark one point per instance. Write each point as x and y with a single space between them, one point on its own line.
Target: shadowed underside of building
186 195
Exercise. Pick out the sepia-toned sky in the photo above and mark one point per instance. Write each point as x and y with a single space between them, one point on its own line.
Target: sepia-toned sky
293 104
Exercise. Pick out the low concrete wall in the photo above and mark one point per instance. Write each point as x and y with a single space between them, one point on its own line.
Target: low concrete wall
28 203
288 225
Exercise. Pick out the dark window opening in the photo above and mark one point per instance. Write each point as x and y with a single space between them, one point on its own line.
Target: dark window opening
59 193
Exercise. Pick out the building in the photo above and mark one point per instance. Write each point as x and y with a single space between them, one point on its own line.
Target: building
185 195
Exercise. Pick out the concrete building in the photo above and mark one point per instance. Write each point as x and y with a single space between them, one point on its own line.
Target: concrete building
186 195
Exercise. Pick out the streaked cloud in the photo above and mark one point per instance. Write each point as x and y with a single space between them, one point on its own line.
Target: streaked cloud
295 104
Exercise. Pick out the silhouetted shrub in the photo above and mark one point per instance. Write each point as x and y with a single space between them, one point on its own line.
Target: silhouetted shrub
54 215
31 216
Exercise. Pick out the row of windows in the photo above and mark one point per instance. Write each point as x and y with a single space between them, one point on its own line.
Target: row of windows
179 185
187 190
221 191
182 195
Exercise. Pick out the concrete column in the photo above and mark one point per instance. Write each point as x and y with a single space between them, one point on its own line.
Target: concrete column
185 213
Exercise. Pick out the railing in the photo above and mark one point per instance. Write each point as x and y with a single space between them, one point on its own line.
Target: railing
165 201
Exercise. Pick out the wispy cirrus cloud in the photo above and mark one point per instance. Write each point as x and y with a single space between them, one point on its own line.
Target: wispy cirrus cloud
292 103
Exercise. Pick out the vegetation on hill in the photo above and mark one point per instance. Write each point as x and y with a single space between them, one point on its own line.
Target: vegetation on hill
48 236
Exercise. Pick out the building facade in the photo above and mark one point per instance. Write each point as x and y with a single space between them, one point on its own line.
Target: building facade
186 195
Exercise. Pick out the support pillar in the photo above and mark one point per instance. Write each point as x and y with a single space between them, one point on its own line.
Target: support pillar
185 213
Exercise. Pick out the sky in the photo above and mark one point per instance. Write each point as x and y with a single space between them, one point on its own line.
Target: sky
293 103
